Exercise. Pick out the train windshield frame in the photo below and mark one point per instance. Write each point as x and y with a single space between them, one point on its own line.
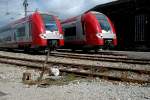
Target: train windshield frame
104 24
49 22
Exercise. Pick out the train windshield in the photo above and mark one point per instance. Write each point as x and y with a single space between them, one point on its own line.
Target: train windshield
50 23
105 26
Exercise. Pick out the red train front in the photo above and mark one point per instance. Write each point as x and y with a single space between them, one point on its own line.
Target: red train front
92 30
37 31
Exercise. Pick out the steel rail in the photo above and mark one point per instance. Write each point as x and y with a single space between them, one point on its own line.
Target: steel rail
88 70
104 58
74 64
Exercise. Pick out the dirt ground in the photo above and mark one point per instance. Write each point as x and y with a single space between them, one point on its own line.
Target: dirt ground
12 88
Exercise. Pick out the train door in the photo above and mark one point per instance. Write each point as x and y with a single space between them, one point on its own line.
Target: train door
14 31
70 32
20 33
79 30
28 36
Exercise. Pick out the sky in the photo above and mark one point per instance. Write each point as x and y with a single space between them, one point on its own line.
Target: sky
11 10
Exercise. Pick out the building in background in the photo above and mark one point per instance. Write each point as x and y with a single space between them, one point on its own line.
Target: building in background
132 21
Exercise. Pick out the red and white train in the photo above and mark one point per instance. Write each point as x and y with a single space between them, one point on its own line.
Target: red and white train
36 31
92 30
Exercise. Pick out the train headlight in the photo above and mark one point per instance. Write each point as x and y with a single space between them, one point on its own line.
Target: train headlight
99 35
43 35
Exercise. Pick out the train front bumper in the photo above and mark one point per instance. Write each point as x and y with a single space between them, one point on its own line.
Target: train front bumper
51 35
106 35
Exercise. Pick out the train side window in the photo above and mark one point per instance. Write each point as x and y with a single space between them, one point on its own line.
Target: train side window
21 31
71 31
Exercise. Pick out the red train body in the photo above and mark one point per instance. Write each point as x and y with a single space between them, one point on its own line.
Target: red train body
36 31
92 30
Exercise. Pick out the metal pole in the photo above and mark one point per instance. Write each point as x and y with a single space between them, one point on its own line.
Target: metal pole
44 67
25 4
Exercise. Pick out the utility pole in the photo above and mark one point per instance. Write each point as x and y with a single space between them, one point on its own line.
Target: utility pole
25 4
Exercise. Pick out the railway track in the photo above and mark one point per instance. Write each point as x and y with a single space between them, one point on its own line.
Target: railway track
107 72
102 57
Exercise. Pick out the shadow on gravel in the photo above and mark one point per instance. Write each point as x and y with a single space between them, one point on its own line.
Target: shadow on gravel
24 52
2 94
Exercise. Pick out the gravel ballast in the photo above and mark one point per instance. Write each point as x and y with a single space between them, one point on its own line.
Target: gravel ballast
95 89
76 61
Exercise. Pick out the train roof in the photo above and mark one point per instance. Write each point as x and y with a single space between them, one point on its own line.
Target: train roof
24 19
76 17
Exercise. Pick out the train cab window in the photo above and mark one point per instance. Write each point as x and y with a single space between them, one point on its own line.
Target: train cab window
51 27
71 31
103 22
50 23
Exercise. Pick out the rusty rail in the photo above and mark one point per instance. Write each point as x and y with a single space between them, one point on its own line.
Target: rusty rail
115 58
87 70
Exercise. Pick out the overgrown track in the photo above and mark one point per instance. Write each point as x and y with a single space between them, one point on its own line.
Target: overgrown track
109 72
103 57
